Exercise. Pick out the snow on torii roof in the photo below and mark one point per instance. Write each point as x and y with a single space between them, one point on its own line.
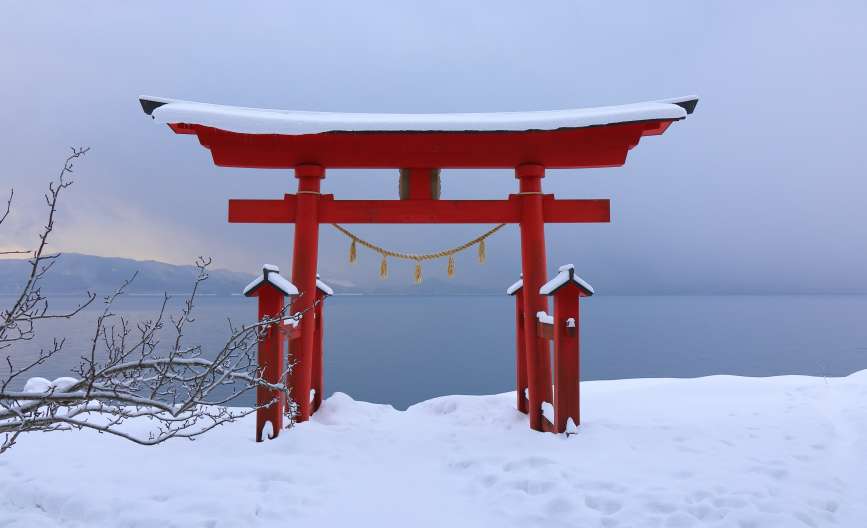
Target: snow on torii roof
260 138
293 122
566 274
271 275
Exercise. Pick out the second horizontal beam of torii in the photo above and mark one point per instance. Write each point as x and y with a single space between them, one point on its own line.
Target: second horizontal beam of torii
331 211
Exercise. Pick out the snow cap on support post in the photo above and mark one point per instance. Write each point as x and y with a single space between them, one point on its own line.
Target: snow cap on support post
271 275
322 287
516 287
566 276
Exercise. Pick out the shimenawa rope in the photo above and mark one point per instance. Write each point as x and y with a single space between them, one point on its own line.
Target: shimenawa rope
417 257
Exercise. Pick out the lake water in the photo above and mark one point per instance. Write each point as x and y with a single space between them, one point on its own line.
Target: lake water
405 349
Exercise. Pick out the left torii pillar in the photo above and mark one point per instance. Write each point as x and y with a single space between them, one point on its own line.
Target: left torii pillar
304 256
271 289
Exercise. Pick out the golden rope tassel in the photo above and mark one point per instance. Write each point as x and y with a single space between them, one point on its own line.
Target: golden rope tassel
451 266
383 268
418 272
353 252
482 251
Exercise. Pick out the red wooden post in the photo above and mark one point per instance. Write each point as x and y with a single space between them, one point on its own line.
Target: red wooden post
517 291
567 374
419 184
270 289
567 288
317 374
304 257
271 363
533 263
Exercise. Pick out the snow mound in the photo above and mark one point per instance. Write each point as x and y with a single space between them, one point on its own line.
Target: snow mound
38 385
42 385
341 409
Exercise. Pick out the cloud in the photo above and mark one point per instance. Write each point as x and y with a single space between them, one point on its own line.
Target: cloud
761 188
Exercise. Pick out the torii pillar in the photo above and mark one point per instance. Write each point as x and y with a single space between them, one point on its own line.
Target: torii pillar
304 259
533 262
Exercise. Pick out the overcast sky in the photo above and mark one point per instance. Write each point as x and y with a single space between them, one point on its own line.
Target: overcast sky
763 188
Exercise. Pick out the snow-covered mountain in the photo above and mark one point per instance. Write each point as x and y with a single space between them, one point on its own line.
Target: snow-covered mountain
74 273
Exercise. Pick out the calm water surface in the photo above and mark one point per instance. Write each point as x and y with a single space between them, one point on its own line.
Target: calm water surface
405 349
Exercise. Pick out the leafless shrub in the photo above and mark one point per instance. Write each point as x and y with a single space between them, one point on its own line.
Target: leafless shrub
171 392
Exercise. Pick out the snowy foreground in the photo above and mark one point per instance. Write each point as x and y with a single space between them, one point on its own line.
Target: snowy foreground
719 451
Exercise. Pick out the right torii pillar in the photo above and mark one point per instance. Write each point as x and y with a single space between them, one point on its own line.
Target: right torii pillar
533 263
304 259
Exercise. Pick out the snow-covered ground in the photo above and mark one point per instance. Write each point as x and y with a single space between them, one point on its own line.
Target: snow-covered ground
718 451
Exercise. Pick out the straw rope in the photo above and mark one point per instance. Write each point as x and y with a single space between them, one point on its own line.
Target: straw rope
417 257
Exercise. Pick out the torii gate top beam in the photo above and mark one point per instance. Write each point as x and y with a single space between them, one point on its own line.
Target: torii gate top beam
333 211
259 138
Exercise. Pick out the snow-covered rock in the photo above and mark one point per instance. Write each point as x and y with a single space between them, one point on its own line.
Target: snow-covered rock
42 385
64 383
37 385
719 451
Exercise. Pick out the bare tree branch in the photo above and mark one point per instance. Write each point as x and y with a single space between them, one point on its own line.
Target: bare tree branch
30 306
3 218
179 392
8 206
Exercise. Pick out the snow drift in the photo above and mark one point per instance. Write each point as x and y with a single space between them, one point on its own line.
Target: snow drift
717 451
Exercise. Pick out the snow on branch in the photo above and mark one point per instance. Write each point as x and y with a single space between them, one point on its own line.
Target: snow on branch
172 391
123 375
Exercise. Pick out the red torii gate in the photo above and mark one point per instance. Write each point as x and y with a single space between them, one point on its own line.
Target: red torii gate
420 145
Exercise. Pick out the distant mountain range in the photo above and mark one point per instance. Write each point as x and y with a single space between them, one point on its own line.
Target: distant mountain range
74 273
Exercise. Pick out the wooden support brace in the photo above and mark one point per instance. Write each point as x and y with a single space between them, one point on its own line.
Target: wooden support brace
418 211
544 330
